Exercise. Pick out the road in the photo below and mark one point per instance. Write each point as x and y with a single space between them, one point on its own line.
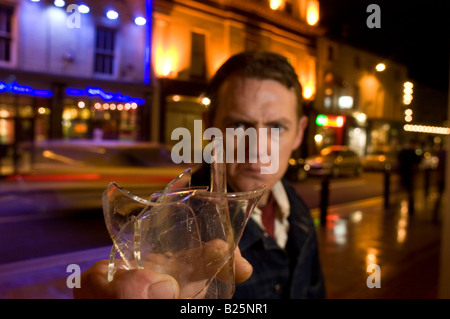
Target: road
346 189
59 212
44 231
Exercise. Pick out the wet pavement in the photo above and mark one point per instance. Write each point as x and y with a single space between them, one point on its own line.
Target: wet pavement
404 246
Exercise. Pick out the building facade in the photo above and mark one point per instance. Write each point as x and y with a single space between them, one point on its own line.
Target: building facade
360 98
136 70
70 72
93 71
191 39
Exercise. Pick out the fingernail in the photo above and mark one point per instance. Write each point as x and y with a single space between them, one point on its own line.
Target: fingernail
161 290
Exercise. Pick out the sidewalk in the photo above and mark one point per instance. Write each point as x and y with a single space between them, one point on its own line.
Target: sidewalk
406 248
357 234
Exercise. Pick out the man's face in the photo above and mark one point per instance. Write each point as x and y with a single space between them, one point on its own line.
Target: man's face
254 103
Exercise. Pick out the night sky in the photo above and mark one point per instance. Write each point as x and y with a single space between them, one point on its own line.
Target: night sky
413 32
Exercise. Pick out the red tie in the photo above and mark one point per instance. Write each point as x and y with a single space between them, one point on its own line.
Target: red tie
268 215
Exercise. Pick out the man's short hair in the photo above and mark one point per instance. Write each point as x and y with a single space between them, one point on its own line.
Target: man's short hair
255 64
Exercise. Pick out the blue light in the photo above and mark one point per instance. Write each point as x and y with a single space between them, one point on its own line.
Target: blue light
148 46
14 87
105 96
140 21
74 92
59 3
111 14
42 93
84 9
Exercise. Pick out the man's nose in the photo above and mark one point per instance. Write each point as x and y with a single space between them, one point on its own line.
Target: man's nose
262 147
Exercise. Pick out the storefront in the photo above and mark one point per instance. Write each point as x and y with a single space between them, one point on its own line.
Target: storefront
34 110
351 130
24 119
92 113
329 131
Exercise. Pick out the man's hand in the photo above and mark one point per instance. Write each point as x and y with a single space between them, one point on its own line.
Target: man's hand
141 283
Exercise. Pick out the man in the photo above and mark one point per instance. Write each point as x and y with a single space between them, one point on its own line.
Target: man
408 165
253 90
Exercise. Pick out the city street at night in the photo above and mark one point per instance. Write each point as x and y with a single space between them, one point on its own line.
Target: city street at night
46 218
359 231
105 104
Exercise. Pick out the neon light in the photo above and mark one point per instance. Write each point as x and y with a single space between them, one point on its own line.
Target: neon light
14 87
321 120
148 36
97 91
340 121
105 96
74 92
427 129
330 121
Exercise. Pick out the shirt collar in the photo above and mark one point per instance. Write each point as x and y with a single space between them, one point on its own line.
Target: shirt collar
281 198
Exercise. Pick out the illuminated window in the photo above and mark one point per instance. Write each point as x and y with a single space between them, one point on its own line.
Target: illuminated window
5 33
345 102
104 51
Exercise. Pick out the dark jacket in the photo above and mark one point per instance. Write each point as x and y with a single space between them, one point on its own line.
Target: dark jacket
293 272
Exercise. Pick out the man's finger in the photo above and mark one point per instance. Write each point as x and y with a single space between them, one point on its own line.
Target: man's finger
127 284
243 269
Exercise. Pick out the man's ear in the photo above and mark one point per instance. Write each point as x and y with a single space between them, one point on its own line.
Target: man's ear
302 124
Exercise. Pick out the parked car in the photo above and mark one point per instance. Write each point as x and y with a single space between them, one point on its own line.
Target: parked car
335 160
380 161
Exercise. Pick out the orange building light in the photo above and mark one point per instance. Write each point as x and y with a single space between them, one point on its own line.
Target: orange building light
308 91
312 12
276 4
380 67
165 62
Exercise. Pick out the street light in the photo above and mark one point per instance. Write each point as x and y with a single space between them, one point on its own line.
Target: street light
380 67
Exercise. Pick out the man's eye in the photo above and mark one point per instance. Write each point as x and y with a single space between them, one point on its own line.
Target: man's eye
239 125
280 127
